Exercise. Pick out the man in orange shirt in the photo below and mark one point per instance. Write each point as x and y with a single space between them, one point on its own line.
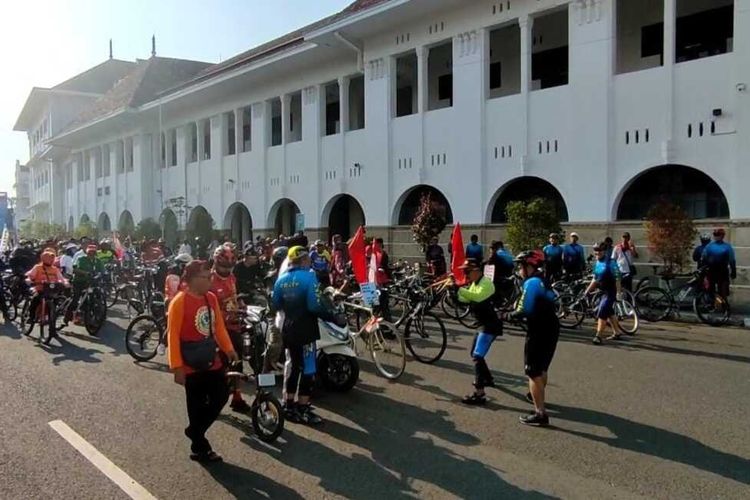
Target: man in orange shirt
224 286
195 315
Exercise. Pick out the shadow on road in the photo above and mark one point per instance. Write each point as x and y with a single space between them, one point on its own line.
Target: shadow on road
244 483
404 442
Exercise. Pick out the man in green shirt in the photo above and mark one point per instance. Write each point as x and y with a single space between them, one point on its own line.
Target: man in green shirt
83 270
105 253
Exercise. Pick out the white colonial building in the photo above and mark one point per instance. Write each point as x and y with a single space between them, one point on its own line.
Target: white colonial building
603 106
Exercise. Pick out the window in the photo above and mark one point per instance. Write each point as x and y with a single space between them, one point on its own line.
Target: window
640 35
120 157
192 142
80 171
106 167
172 143
275 122
230 138
333 108
247 129
69 176
406 84
163 149
549 54
505 61
703 29
295 117
206 129
87 166
357 102
129 154
440 76
98 160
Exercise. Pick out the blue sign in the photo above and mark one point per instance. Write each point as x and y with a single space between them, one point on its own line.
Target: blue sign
299 223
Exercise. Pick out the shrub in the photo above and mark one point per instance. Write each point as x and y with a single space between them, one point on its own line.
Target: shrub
148 229
670 233
429 221
530 223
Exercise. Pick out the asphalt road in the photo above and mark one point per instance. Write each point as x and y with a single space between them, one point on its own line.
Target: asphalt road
660 415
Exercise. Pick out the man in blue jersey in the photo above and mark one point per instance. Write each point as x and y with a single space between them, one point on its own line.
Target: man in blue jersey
502 261
574 257
474 250
607 278
722 265
537 306
553 258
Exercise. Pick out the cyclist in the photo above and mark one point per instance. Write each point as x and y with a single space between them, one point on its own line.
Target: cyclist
502 260
624 253
574 258
296 295
474 250
435 258
247 271
83 270
537 306
722 265
698 251
66 260
553 258
607 279
105 254
478 294
44 272
321 262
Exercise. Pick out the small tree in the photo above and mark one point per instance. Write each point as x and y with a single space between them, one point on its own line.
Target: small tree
87 229
428 222
670 232
530 223
148 229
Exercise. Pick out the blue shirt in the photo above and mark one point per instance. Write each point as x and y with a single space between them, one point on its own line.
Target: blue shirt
553 254
606 274
574 257
320 261
718 255
296 293
503 263
474 251
535 298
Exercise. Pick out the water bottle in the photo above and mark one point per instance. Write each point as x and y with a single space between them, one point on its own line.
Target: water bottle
309 367
246 344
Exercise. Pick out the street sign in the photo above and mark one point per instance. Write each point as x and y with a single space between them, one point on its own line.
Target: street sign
299 223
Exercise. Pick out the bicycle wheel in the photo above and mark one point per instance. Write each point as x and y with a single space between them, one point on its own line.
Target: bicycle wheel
47 326
267 417
627 316
142 338
388 350
652 303
112 295
10 306
453 308
94 314
27 319
569 311
425 337
711 308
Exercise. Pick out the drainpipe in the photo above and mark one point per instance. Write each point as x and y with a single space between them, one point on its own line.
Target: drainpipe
355 47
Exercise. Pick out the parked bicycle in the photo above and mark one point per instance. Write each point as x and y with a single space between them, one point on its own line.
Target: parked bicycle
573 310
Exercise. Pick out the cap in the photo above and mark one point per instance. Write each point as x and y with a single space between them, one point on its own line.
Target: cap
319 243
574 234
297 252
469 264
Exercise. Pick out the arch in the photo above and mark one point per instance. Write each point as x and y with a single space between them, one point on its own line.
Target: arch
408 204
283 216
71 224
200 223
84 219
697 193
125 224
524 189
103 223
169 226
343 214
239 223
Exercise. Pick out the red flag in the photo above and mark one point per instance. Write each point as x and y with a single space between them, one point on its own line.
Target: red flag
119 250
458 256
357 255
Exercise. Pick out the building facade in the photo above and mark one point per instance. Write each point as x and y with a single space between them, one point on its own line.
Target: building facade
603 106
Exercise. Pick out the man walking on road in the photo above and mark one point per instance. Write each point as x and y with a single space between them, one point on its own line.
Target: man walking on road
722 266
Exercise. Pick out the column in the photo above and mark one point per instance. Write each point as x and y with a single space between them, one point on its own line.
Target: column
670 15
344 104
285 101
526 25
422 76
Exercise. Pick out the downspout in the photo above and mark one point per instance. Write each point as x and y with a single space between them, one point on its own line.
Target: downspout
355 47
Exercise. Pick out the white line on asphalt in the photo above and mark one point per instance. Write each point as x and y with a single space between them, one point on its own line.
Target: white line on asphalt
105 465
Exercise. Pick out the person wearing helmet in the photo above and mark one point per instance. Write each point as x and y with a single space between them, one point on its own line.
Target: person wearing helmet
66 260
247 271
479 294
173 283
43 272
296 296
537 307
105 254
574 257
607 278
224 286
722 265
698 250
553 258
83 271
321 262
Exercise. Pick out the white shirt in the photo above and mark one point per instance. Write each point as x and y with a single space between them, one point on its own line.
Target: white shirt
185 248
80 253
623 258
66 264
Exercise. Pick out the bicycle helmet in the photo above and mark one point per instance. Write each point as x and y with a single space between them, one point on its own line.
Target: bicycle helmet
530 257
224 256
105 244
705 238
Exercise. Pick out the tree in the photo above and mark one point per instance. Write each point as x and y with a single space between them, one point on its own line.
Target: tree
670 233
530 223
40 230
148 229
428 222
87 229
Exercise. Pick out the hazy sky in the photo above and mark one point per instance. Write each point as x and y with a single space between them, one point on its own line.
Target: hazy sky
44 42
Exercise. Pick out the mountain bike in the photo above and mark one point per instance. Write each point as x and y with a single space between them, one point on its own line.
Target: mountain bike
45 314
572 310
382 339
146 333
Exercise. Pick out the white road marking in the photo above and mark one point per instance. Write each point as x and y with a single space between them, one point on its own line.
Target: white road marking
105 465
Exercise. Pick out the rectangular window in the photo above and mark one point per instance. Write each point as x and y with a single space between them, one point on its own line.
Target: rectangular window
106 160
206 130
129 161
230 135
192 142
247 129
440 76
333 108
505 61
163 150
295 117
703 29
357 103
549 59
406 84
172 143
639 35
275 122
87 166
120 157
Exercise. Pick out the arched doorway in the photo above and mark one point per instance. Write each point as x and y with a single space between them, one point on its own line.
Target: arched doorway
169 227
200 224
71 224
408 206
238 222
526 189
104 225
283 217
126 225
343 215
84 219
697 193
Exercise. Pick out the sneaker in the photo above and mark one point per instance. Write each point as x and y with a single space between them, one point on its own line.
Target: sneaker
535 419
307 416
597 340
475 400
161 350
291 413
240 406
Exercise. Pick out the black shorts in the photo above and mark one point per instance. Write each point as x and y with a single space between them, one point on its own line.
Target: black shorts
539 350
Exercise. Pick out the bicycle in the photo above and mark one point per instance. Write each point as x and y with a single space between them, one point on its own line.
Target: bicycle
572 310
45 313
657 303
93 306
381 339
146 333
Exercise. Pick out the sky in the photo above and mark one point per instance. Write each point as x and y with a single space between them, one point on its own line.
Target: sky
45 42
